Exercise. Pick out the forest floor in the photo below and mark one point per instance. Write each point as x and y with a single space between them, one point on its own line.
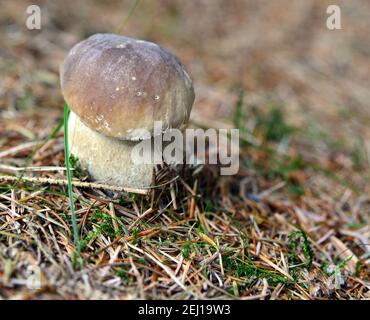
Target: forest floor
293 223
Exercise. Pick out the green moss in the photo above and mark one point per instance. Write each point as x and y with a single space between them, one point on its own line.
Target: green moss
274 125
78 171
250 272
299 243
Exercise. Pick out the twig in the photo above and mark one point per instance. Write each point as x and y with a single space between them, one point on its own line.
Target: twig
16 169
345 253
64 182
16 149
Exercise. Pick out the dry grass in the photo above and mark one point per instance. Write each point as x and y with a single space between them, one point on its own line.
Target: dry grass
292 224
275 234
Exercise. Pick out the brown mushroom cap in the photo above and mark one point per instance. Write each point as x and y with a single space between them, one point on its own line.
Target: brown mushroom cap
119 86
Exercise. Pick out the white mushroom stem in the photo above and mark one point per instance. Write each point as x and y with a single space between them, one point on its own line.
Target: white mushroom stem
107 160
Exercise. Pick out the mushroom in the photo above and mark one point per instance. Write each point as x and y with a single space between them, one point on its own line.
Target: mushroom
117 87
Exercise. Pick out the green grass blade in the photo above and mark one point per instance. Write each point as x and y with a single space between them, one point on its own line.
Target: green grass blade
54 133
130 13
76 237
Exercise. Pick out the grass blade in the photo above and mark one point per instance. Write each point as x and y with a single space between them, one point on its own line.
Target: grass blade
54 133
76 238
130 13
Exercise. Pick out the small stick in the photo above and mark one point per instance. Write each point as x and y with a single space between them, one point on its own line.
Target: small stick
64 182
16 149
5 167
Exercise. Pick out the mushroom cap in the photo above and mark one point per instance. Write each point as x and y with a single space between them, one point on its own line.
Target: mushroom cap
120 86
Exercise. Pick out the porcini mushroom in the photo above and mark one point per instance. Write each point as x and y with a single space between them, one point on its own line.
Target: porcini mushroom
117 87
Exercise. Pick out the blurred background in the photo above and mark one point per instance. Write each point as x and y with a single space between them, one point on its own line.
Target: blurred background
297 83
279 52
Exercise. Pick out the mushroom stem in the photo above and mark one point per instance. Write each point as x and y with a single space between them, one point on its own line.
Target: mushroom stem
107 160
